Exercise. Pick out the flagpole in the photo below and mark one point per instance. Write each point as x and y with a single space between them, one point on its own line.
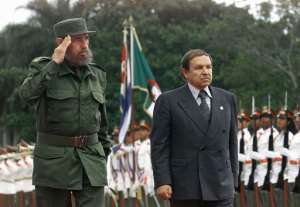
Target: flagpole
133 121
130 21
126 88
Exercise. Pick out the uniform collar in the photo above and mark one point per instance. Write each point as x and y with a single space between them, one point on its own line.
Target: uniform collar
89 72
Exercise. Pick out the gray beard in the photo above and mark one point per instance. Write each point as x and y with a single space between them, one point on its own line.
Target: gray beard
84 61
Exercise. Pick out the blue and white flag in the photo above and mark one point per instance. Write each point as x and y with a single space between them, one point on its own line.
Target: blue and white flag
126 91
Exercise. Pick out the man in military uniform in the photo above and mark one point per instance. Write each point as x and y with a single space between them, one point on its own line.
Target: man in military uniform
295 146
252 191
244 148
264 145
68 93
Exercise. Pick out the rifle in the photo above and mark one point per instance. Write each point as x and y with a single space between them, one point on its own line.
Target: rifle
271 190
284 162
254 165
254 162
242 187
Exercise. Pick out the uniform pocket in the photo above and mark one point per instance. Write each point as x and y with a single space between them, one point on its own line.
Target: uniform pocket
93 107
48 152
61 105
100 150
95 149
98 97
60 94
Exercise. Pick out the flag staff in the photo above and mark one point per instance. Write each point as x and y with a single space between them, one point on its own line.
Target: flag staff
133 112
126 84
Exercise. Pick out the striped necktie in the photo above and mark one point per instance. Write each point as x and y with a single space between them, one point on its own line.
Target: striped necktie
204 106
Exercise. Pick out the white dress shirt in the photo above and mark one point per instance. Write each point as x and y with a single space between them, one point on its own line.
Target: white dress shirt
195 92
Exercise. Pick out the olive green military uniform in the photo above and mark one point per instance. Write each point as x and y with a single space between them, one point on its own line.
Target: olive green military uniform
68 104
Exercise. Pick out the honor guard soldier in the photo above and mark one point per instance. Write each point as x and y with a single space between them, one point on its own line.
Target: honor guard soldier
254 130
295 147
264 145
292 154
282 141
244 147
68 91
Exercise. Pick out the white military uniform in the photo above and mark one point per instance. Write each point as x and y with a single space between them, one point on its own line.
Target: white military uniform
145 167
277 155
131 165
245 158
262 154
293 154
8 170
24 174
115 176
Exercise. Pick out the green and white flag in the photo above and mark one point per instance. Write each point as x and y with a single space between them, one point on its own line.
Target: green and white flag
143 78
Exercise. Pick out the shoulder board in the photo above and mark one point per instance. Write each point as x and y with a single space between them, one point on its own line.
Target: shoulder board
97 66
41 59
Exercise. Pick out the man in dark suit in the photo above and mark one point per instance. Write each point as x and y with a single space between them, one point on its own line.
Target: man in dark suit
193 140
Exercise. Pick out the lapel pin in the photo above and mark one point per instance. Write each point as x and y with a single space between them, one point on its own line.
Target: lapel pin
221 108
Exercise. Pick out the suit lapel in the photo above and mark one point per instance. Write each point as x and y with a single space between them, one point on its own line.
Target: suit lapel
217 111
189 105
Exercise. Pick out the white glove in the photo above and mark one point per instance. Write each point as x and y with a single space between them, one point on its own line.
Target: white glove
256 156
286 152
272 154
242 157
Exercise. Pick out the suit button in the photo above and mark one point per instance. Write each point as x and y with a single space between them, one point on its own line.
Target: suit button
224 130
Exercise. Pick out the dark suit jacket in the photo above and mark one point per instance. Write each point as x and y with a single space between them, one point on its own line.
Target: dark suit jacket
197 163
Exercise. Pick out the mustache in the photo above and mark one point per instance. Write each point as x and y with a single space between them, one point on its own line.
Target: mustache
87 52
84 51
87 57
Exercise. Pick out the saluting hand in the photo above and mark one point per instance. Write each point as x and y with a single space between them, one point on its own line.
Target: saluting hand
164 192
59 52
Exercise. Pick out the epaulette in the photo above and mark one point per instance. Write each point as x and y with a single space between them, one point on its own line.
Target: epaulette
97 66
41 60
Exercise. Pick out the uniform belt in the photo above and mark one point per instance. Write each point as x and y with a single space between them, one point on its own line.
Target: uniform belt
66 141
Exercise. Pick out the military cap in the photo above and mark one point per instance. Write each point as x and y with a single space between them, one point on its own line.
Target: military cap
243 115
74 26
297 111
267 112
134 127
144 125
255 114
284 114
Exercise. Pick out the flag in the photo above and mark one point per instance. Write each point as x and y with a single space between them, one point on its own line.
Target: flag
135 74
142 75
126 91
